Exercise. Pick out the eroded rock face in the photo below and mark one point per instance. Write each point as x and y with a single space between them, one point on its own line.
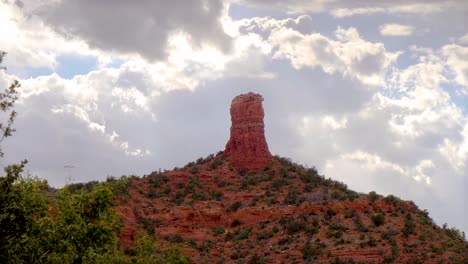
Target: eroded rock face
247 147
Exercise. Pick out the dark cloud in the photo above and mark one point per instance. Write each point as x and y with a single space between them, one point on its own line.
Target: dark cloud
139 27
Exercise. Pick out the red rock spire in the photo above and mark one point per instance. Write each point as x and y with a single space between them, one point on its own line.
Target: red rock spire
247 147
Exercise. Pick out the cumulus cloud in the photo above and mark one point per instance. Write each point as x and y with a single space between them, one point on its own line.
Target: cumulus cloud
349 54
396 30
31 43
343 8
351 108
410 9
457 60
463 39
136 28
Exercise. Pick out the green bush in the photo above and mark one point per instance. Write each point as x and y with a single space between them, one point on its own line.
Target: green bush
219 230
234 207
311 251
373 196
378 219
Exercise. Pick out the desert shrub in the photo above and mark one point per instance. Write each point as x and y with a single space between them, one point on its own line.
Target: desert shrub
174 239
243 233
219 230
329 213
216 163
148 224
295 226
308 187
236 222
371 242
454 233
408 228
280 182
195 169
157 179
265 235
292 196
199 195
389 234
310 251
352 195
373 196
207 159
378 219
359 225
180 184
390 199
216 195
234 207
423 218
350 213
256 259
285 240
206 245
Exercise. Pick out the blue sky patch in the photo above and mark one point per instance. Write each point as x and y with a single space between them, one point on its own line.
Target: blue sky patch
70 65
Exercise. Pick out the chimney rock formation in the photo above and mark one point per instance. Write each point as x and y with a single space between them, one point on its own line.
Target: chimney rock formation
247 147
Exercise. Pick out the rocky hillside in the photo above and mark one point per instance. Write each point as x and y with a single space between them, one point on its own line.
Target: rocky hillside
244 205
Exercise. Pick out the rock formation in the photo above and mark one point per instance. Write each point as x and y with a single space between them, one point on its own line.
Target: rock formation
247 147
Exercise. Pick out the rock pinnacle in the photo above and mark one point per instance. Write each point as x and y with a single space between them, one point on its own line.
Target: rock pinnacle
247 147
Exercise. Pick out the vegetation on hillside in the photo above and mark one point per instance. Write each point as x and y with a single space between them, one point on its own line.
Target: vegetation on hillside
284 212
77 224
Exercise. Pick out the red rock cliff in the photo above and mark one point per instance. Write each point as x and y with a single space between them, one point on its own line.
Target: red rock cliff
247 147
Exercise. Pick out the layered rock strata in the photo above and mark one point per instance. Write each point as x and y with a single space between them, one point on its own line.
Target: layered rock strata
247 147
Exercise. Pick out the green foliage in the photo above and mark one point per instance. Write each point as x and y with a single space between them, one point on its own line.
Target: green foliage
216 163
329 213
292 226
378 219
7 101
174 239
23 202
292 196
77 224
219 230
454 233
373 196
242 233
409 227
390 199
85 223
278 183
359 225
195 169
234 207
311 251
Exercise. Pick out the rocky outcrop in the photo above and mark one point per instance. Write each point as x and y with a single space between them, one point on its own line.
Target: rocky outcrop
247 147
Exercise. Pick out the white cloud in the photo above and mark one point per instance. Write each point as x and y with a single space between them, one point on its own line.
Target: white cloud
457 61
344 8
348 12
410 9
407 135
349 55
463 39
376 163
396 30
31 43
334 123
456 151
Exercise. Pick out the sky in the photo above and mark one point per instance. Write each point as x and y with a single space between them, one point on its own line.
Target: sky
371 93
